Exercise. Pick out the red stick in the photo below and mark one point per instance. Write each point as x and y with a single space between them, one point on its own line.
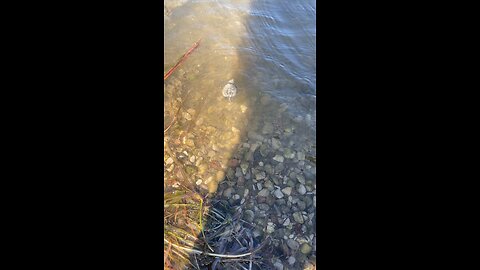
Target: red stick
184 57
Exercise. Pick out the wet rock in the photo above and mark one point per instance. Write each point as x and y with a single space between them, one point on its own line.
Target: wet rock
291 260
286 222
300 155
259 186
236 197
305 248
292 244
278 158
278 193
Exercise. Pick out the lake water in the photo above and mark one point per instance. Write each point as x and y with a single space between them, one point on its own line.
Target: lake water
256 153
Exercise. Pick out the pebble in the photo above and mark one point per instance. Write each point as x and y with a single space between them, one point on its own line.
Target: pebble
278 266
292 244
301 156
301 179
199 182
270 227
286 222
244 167
291 260
260 176
259 186
263 193
278 158
228 192
249 215
287 191
276 144
278 193
301 189
236 197
192 159
169 161
243 108
297 216
305 248
289 153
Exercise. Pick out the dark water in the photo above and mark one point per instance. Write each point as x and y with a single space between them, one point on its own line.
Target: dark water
269 49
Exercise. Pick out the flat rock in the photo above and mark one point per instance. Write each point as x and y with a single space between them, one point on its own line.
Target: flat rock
278 158
292 244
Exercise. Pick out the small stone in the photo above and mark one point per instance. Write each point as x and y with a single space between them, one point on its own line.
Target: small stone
228 192
244 167
192 159
199 182
300 155
187 116
259 186
297 216
305 248
292 244
243 108
286 222
245 193
289 153
301 189
291 260
287 191
278 193
270 227
260 164
278 266
301 179
260 176
276 144
248 215
278 158
236 197
263 193
169 161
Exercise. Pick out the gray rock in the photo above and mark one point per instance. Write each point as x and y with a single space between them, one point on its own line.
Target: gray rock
301 189
228 192
289 153
300 155
276 144
292 244
278 266
297 216
291 260
260 176
248 215
278 193
287 190
305 248
263 193
263 207
278 158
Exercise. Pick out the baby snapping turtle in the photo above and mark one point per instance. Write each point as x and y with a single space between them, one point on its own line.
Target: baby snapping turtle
229 90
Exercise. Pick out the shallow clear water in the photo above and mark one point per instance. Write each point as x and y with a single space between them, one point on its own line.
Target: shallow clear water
264 138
